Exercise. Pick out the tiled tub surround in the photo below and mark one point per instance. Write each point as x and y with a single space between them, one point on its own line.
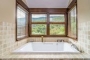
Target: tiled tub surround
81 56
8 44
83 37
46 57
7 38
11 56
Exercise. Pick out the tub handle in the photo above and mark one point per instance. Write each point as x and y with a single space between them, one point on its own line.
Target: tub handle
58 40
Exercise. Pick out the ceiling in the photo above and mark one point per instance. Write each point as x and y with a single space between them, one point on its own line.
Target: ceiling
47 3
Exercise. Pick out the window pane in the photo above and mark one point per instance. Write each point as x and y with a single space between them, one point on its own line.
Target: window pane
57 18
21 23
73 21
39 17
57 29
38 29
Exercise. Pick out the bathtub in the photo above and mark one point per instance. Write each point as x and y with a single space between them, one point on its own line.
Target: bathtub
46 47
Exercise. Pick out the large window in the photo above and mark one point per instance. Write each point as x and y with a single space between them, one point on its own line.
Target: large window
73 22
48 25
57 24
39 24
57 29
22 25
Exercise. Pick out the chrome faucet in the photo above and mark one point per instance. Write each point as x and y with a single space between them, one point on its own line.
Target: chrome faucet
60 40
42 38
73 45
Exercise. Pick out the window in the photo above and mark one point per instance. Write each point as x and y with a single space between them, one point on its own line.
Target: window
48 25
73 22
39 17
57 24
22 24
57 18
39 24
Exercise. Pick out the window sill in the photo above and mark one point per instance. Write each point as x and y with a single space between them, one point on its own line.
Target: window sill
73 38
21 37
48 35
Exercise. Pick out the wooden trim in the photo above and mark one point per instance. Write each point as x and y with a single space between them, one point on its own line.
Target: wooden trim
16 21
29 29
48 35
38 22
72 38
48 10
49 22
58 22
66 24
22 4
73 3
48 25
77 21
18 39
27 25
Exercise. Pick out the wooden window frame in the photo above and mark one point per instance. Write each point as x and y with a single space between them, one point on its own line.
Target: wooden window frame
48 25
75 38
71 5
18 39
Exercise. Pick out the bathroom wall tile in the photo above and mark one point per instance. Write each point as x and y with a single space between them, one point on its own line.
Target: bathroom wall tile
47 39
60 59
86 59
83 37
7 38
78 59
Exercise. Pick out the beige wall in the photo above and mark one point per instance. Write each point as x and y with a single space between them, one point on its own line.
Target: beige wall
83 10
8 41
7 10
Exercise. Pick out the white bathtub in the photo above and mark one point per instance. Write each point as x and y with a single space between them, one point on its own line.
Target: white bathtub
46 47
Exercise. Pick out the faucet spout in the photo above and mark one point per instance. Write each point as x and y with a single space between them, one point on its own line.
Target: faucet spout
42 38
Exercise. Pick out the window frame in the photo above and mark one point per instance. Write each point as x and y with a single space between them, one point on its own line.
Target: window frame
69 22
26 25
65 23
48 25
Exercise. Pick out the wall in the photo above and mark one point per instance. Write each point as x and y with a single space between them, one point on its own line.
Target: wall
47 39
83 26
7 27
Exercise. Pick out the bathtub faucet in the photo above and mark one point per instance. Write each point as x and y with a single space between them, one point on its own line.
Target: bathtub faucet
42 38
60 40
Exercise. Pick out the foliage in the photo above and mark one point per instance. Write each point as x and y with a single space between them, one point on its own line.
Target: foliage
57 29
39 29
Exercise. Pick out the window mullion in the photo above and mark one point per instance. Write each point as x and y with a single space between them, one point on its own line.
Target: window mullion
48 25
